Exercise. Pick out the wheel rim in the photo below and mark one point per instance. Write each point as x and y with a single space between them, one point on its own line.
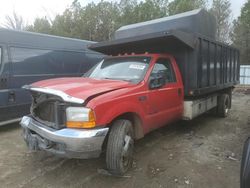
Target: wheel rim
127 151
226 106
226 110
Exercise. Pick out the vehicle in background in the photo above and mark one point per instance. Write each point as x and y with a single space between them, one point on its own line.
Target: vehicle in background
157 72
245 165
27 57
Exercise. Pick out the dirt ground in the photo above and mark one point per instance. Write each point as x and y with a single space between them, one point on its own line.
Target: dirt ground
203 153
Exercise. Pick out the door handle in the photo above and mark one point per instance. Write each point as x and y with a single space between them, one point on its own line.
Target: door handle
142 98
179 91
3 82
12 96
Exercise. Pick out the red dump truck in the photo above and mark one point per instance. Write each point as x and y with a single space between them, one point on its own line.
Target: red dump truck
154 73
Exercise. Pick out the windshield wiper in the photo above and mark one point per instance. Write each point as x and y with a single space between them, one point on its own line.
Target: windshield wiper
123 79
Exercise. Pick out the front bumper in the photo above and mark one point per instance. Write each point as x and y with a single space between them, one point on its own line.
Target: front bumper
70 143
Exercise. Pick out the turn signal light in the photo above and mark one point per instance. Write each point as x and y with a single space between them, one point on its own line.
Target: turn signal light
80 117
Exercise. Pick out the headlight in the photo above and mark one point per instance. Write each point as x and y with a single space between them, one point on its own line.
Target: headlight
80 117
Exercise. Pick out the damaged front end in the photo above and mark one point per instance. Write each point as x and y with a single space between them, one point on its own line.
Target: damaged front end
45 129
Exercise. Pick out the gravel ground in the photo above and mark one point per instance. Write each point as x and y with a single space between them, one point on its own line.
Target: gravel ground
205 153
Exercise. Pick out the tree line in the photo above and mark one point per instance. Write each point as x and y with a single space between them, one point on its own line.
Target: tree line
98 21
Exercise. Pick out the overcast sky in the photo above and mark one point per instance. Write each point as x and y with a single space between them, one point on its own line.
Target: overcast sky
30 9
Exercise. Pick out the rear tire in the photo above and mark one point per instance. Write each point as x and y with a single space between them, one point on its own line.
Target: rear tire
223 105
120 146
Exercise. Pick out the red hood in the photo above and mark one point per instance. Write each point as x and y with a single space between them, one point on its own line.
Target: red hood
81 88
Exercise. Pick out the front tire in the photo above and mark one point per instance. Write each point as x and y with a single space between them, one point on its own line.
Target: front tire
120 147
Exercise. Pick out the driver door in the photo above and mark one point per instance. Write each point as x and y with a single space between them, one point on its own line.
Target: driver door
165 103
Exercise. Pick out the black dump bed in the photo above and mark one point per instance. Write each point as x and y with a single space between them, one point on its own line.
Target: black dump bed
196 21
206 65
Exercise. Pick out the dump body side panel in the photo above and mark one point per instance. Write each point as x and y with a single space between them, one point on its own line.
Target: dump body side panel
217 67
209 67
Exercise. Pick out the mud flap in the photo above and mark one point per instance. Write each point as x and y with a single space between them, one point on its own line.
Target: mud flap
245 166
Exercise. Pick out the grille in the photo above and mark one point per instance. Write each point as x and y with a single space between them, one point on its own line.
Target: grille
48 110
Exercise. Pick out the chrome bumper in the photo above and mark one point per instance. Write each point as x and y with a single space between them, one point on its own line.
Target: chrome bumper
72 143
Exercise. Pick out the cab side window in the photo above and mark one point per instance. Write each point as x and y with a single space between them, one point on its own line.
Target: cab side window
164 66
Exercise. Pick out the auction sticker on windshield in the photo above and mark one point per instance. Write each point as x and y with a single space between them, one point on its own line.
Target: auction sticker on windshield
137 66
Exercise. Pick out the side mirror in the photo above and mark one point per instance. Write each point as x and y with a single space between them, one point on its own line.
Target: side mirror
245 166
157 80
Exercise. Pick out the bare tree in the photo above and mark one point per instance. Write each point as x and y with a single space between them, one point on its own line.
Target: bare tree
14 21
221 9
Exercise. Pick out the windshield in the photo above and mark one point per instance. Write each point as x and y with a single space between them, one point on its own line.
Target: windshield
122 68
